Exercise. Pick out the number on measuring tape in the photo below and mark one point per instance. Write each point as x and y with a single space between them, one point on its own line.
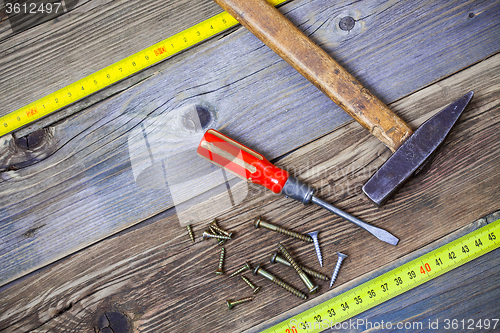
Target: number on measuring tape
395 282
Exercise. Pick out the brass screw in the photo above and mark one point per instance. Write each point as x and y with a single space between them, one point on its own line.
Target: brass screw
310 286
207 235
219 241
276 258
213 225
231 304
259 223
275 280
250 284
190 232
245 267
219 270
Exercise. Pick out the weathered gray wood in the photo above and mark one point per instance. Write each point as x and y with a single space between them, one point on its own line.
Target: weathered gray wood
87 189
163 282
91 36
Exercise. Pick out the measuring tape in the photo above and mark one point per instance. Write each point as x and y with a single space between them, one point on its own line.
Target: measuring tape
394 282
119 71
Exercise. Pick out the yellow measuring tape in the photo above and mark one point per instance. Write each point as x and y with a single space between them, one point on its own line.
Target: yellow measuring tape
118 71
393 283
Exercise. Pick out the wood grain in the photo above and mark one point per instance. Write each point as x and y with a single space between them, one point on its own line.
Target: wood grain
159 279
414 297
290 43
88 189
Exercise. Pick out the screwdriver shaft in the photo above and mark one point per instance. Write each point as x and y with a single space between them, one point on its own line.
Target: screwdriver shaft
377 232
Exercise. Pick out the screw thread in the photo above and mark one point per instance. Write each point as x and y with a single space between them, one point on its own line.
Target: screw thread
307 270
289 288
240 270
318 252
290 259
219 230
230 303
209 235
248 282
294 234
336 270
315 274
215 232
190 232
221 259
312 288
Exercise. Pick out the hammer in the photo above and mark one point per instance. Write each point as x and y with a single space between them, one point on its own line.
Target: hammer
412 151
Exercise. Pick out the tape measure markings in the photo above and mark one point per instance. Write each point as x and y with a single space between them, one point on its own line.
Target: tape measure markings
393 283
118 71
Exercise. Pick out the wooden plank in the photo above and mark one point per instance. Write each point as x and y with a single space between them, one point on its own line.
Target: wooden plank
88 188
469 293
162 281
427 292
415 35
90 36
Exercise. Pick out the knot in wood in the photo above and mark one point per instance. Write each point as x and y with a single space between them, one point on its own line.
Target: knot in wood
347 23
113 322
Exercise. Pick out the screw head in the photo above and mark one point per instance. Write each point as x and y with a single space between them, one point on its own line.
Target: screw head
256 290
313 234
273 257
341 255
257 222
219 271
229 304
313 290
256 269
247 265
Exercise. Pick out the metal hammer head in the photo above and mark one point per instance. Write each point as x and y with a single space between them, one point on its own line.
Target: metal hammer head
414 153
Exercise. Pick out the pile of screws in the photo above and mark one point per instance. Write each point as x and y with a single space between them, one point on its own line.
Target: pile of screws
305 273
221 235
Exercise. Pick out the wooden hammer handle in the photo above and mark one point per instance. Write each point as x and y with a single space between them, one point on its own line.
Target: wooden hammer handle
284 38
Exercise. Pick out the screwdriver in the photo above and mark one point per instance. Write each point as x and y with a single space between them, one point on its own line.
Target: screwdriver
249 165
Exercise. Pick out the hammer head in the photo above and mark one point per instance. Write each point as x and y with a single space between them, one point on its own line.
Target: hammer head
414 153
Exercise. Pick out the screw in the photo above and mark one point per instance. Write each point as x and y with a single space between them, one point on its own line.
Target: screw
276 258
337 267
314 236
310 286
213 225
275 280
207 235
250 284
245 267
190 232
219 270
215 232
231 303
259 223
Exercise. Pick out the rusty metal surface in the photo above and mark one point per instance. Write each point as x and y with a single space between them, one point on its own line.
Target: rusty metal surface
414 153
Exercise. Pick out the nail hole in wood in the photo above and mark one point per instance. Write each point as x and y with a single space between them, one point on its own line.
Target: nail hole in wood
471 15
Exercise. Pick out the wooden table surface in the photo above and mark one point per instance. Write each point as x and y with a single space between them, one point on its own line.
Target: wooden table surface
93 197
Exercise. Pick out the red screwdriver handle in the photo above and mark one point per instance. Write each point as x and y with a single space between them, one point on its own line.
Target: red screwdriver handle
241 161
